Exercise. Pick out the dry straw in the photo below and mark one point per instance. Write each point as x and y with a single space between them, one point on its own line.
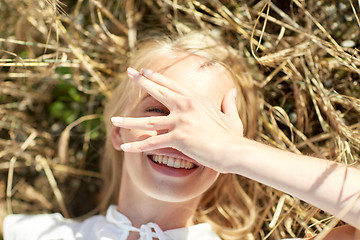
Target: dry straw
304 59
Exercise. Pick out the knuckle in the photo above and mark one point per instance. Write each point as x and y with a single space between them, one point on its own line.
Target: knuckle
191 103
150 123
162 92
139 147
179 136
186 103
184 119
151 142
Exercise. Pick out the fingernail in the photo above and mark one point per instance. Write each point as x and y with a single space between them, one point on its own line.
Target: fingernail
125 147
132 72
146 72
117 119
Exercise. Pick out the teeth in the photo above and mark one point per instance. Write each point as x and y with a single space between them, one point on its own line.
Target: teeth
188 165
172 162
182 164
160 159
177 163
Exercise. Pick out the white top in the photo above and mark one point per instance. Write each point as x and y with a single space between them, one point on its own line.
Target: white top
112 226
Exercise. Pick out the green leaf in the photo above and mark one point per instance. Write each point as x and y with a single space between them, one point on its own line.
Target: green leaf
94 135
74 94
69 116
63 70
56 109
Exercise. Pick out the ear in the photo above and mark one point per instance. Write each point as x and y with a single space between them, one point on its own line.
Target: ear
116 138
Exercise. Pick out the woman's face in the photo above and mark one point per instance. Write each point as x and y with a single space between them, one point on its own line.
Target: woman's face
169 175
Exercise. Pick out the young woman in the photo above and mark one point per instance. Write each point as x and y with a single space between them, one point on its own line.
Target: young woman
171 164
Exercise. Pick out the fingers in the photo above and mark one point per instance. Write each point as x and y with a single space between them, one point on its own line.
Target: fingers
228 105
162 80
156 90
149 144
145 123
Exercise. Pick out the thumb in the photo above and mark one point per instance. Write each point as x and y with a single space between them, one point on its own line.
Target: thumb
228 105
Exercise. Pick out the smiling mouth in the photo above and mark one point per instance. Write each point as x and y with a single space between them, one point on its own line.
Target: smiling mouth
172 162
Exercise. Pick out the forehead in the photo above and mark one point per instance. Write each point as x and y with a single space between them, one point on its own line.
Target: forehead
196 73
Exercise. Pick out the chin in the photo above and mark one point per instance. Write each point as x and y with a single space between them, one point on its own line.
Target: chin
160 177
173 196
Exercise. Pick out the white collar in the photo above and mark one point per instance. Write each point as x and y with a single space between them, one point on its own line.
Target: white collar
151 230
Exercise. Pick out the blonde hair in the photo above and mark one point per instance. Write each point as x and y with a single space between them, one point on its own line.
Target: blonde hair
226 206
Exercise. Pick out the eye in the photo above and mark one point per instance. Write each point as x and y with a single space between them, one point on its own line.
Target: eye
157 110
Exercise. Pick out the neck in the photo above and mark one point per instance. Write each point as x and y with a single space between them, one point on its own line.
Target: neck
141 208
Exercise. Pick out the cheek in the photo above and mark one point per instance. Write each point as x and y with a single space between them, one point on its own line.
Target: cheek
205 181
212 177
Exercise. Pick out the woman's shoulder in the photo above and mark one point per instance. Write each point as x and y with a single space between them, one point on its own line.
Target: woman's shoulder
45 226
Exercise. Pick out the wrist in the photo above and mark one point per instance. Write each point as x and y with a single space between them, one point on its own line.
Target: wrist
234 152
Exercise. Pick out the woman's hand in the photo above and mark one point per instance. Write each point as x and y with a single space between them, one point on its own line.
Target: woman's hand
195 126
